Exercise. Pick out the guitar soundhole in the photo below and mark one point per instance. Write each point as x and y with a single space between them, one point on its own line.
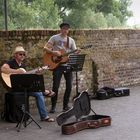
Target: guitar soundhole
56 59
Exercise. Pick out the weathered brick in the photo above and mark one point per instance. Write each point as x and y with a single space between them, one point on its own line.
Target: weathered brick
116 53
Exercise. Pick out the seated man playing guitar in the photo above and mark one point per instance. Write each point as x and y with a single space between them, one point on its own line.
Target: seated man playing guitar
56 51
16 66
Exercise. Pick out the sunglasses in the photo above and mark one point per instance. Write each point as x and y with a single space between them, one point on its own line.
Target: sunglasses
22 54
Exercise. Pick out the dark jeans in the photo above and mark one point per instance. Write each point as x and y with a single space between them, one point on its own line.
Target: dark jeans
57 75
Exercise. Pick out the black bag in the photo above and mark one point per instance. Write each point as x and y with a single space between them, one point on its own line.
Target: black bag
105 93
14 106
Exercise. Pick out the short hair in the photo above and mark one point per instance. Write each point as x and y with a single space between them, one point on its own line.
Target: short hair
64 24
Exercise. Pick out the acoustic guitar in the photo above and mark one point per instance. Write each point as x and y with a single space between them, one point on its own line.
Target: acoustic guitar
54 61
6 77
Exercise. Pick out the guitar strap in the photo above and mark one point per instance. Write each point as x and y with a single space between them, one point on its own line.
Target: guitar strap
67 46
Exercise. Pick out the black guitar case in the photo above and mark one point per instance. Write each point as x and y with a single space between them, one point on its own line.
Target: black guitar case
108 92
81 110
121 92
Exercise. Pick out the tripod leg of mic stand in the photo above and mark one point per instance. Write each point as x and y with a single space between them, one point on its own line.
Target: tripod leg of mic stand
33 120
77 91
20 123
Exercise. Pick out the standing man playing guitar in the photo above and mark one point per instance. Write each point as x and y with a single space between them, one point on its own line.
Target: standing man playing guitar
16 66
56 47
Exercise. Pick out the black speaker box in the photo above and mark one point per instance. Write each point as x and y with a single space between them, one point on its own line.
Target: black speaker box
14 106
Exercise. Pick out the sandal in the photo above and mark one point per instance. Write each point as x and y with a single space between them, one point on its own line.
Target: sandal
48 119
49 93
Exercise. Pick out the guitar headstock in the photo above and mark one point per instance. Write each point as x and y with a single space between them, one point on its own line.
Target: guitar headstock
87 46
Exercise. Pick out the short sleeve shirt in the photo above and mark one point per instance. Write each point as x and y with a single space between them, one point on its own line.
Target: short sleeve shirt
59 43
14 65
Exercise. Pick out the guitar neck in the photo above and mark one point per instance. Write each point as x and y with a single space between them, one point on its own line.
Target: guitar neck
37 69
66 54
85 47
32 71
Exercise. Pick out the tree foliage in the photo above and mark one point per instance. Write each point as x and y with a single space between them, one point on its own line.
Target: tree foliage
118 9
93 14
34 14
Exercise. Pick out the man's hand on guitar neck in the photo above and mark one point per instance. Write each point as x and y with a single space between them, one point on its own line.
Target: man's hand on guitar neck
40 70
78 50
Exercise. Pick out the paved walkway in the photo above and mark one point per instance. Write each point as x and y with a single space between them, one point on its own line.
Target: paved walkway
124 112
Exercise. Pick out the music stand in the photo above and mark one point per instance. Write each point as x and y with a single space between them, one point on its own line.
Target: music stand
27 83
76 62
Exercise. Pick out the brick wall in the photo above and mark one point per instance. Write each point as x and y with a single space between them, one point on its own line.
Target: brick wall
116 54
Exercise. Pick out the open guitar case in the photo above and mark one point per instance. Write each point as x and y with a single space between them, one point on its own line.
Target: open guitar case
81 109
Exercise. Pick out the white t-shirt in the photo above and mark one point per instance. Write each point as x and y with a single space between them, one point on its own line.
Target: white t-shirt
59 43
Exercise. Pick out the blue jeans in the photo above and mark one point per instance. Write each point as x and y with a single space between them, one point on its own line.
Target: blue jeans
40 101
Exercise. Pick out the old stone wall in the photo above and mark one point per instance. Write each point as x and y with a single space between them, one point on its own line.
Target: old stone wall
116 54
